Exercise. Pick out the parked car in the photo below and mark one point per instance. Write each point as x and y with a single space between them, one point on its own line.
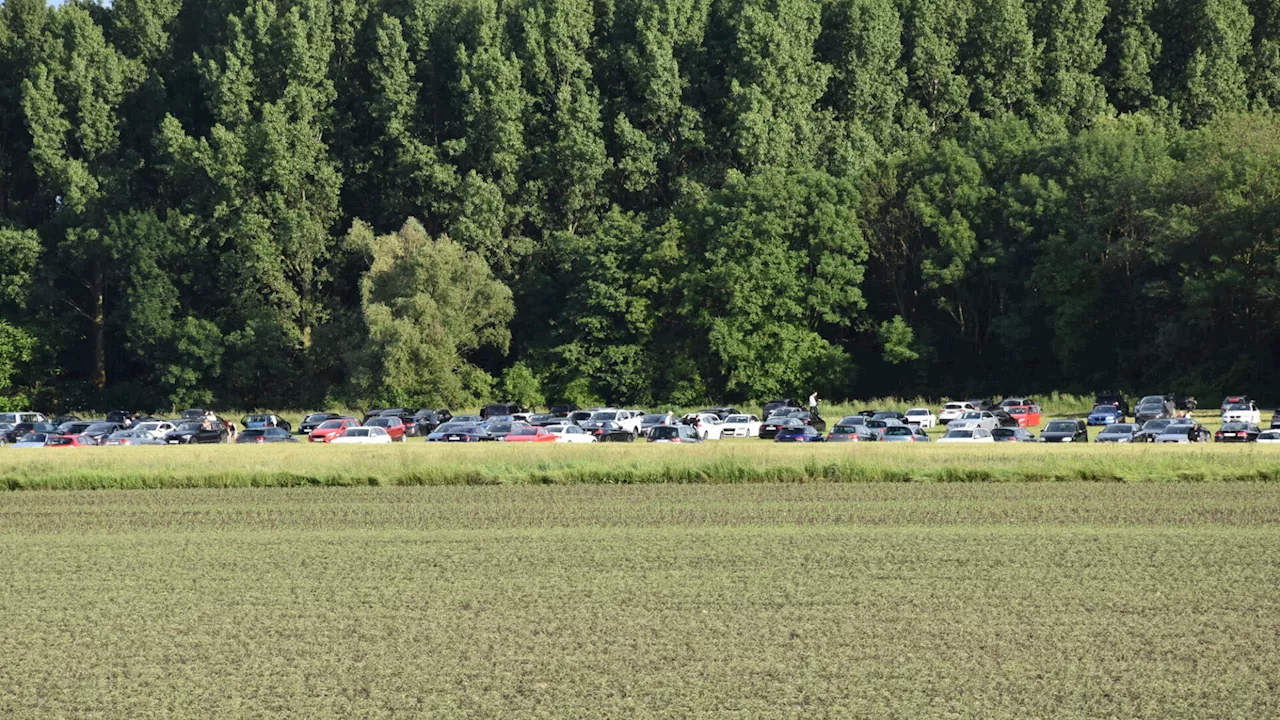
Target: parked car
198 433
1269 436
123 437
904 433
777 404
1237 432
798 432
363 435
923 417
842 432
501 428
1151 429
953 410
879 426
721 412
886 414
1245 412
313 421
426 421
17 431
502 408
984 419
330 429
529 434
32 440
1027 416
1009 402
1005 434
253 422
1157 409
680 434
809 418
653 420
981 403
628 419
408 420
1061 430
100 431
74 427
1004 419
562 410
154 429
1275 420
1115 399
1118 433
464 432
706 425
746 426
1104 415
123 418
967 435
393 426
769 428
261 435
1192 432
438 434
545 419
611 431
70 441
1231 400
467 419
193 414
570 434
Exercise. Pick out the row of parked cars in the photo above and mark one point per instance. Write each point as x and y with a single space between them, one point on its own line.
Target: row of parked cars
1156 419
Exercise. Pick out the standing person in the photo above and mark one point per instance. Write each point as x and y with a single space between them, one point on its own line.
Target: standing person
813 402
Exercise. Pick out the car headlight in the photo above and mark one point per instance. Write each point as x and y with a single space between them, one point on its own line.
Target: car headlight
1067 439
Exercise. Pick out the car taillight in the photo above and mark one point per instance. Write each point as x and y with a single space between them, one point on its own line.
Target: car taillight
258 439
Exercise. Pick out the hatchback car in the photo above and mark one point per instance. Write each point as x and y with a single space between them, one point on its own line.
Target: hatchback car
1183 433
843 432
1237 432
904 433
1005 434
967 435
529 434
673 434
801 433
260 435
1118 433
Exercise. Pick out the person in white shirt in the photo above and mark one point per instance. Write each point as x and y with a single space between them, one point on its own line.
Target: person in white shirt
813 402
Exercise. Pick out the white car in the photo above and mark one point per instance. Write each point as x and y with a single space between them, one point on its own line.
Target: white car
984 419
1242 412
364 435
923 417
1269 436
953 410
153 428
570 434
967 435
16 418
706 425
746 426
629 420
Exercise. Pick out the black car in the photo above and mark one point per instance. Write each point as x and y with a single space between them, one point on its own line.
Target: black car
370 414
265 435
1114 399
1065 431
500 409
982 404
562 410
312 421
198 433
720 412
426 420
123 418
773 406
769 428
467 433
1239 432
882 414
99 431
193 414
812 419
1004 419
1151 430
74 427
610 431
408 417
546 419
59 420
16 433
1152 411
502 428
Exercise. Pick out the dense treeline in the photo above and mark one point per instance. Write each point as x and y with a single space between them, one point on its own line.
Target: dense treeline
293 202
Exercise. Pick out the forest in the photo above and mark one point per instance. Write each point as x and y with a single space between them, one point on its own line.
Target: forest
296 203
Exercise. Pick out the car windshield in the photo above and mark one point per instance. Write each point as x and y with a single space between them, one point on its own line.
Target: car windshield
382 422
580 416
953 406
899 430
1117 430
34 437
1151 408
1269 435
971 416
101 428
603 416
520 431
316 417
1156 424
1061 426
253 433
356 432
1105 409
843 430
665 432
959 434
542 417
502 427
853 420
1234 427
1003 432
189 427
449 427
330 425
257 418
58 440
655 418
737 419
1237 406
914 413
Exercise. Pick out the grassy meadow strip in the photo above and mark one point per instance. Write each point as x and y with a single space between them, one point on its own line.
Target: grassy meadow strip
1068 600
725 462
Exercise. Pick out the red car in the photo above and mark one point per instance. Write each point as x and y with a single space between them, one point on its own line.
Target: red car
394 426
330 429
529 434
69 441
1026 415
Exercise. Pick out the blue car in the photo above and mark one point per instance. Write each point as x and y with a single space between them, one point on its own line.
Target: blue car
804 433
1105 415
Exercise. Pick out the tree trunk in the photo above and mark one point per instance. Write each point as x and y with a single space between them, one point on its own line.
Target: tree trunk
99 338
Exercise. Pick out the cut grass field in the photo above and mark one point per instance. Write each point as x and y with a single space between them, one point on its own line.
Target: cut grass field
1067 600
723 462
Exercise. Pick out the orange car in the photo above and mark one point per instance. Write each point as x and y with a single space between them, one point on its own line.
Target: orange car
330 429
529 434
1026 415
69 441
